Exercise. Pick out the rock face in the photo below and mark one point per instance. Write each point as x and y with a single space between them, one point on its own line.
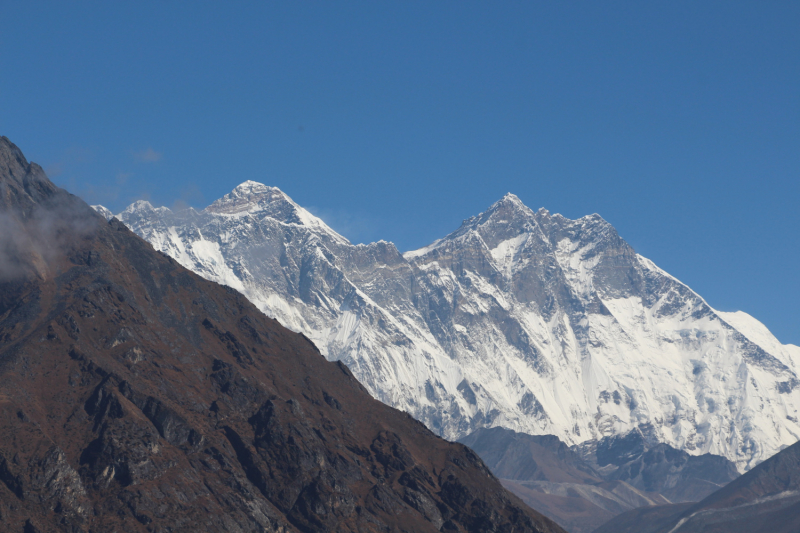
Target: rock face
136 396
764 500
583 488
521 319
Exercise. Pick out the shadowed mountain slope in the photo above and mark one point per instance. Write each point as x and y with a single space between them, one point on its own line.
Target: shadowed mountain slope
513 455
764 500
136 396
656 467
581 488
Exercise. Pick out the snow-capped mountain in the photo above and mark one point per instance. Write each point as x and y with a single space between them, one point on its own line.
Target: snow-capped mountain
519 318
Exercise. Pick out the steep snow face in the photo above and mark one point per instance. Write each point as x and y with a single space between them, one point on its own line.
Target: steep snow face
519 319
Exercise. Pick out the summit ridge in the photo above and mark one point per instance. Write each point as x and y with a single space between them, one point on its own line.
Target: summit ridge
519 319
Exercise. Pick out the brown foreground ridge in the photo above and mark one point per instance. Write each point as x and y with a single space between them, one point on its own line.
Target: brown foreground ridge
137 397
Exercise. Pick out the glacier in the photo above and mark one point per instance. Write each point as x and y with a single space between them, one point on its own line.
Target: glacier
521 319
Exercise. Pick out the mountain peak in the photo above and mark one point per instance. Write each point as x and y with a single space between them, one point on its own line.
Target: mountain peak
510 197
141 204
251 197
9 152
509 203
40 222
137 207
508 200
508 211
253 187
22 184
103 211
256 199
504 219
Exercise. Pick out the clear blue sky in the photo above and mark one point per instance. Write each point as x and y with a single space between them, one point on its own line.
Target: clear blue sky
678 122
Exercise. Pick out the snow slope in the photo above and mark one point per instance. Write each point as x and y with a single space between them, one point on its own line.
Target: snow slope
519 318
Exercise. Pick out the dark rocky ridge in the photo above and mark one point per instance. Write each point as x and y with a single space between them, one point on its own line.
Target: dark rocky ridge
136 396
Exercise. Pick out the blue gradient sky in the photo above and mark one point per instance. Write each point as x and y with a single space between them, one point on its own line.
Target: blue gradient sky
678 122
